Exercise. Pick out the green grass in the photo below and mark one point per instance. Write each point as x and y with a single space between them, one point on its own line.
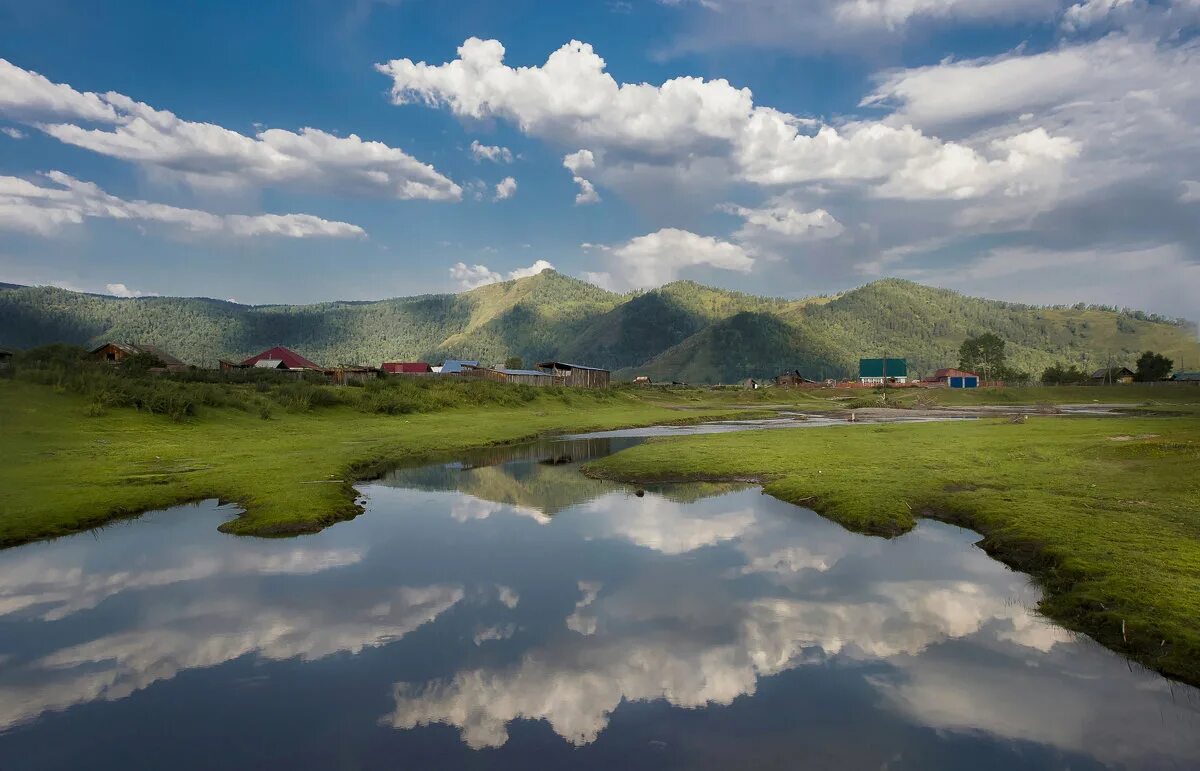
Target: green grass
1102 511
65 468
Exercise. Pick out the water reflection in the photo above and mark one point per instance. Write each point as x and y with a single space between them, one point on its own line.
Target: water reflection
503 603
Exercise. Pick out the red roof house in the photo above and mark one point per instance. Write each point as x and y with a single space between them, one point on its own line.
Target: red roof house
405 367
284 358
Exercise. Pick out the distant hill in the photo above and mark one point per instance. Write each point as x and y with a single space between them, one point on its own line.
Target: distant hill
681 331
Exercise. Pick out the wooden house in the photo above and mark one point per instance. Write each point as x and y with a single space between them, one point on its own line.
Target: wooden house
119 352
531 377
577 375
1113 375
280 358
406 368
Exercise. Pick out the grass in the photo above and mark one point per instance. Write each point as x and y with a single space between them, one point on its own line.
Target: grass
1103 512
65 467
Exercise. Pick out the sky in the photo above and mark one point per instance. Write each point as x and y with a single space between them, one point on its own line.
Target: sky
311 150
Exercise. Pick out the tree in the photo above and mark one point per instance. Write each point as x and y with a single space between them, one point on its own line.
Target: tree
1153 366
514 362
983 353
1061 375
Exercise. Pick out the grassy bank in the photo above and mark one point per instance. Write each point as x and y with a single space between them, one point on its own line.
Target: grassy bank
66 466
1102 511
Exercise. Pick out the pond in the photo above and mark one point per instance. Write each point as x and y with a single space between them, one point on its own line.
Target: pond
504 611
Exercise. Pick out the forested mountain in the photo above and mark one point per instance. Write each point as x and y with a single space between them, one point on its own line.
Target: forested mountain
683 331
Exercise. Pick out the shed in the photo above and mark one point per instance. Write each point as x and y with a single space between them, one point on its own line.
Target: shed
284 358
457 366
6 355
1113 375
750 384
880 371
117 352
406 368
577 375
531 377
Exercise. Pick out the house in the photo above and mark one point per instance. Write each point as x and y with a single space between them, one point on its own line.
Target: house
880 371
406 368
793 378
750 384
456 366
1113 375
954 378
531 377
1186 377
119 352
577 374
279 358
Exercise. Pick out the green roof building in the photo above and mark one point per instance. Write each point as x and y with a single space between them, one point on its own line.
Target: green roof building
880 371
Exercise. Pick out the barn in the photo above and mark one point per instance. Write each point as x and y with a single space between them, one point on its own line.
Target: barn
880 371
577 375
279 358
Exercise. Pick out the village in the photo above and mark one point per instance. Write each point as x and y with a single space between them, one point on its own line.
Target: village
872 372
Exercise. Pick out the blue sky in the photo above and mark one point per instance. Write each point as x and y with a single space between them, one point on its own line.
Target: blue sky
1032 150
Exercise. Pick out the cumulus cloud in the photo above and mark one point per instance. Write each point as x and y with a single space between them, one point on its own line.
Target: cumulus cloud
660 257
493 153
578 163
473 276
46 210
211 156
780 224
685 121
120 290
505 189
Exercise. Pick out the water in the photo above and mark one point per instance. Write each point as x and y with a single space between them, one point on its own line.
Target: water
504 611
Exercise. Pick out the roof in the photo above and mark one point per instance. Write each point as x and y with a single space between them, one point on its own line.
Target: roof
875 368
564 365
268 364
290 359
953 372
406 366
451 366
1186 376
537 372
6 351
135 348
1100 374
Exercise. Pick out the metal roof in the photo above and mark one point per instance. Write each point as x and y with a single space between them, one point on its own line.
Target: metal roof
1186 376
451 366
268 363
875 368
290 359
564 365
537 372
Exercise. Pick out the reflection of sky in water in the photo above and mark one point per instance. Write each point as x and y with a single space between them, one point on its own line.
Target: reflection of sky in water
548 620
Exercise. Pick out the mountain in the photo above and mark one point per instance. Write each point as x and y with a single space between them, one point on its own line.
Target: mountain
681 331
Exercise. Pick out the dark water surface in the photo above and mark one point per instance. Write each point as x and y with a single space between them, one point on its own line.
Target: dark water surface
506 612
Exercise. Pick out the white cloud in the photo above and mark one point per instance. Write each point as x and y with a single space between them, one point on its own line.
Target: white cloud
781 223
473 276
685 121
578 163
493 153
44 210
12 132
660 257
210 156
505 189
120 290
1191 191
1092 12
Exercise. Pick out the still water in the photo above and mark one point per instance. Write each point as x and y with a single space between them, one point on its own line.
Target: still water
503 611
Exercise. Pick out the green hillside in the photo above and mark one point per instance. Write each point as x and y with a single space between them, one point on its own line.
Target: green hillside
681 331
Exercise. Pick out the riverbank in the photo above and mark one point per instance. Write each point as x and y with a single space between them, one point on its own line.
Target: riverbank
1101 511
64 469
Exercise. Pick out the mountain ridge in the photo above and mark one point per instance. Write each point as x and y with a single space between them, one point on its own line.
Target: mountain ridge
681 331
